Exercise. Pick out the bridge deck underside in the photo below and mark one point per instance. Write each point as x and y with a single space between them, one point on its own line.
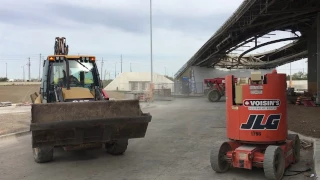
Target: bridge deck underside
254 19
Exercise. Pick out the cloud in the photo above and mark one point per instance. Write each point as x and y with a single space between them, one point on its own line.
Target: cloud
185 17
108 28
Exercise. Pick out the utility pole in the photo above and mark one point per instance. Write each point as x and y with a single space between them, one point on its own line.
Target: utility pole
130 68
105 74
151 41
290 81
115 70
121 63
29 64
101 68
23 73
7 70
39 66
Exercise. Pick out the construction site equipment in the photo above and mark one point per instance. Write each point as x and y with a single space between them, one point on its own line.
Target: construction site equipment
74 112
216 88
60 46
256 114
306 101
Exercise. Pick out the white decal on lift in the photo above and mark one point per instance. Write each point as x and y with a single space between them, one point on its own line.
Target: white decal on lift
255 87
261 104
256 92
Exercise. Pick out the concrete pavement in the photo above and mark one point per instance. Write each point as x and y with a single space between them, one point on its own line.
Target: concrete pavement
176 146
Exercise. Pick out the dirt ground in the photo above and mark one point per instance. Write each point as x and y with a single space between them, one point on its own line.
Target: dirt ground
21 93
14 120
304 120
17 94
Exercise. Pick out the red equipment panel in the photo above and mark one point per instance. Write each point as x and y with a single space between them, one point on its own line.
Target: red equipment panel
262 116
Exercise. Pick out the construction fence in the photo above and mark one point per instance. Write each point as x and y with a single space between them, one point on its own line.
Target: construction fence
180 88
177 89
161 91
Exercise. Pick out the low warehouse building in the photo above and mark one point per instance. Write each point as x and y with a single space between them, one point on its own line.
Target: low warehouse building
139 81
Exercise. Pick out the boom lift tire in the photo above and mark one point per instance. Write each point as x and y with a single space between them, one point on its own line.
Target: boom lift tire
274 163
214 95
218 159
117 147
43 154
296 146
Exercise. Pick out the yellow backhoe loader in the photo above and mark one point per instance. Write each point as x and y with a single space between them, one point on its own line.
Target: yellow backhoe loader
73 111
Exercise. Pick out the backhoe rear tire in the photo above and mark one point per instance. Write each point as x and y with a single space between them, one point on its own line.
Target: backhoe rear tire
117 147
43 154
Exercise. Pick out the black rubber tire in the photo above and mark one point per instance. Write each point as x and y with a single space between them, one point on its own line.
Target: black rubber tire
296 146
117 147
274 163
43 154
217 157
214 95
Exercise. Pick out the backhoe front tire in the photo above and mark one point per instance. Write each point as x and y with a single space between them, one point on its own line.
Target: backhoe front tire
117 147
43 154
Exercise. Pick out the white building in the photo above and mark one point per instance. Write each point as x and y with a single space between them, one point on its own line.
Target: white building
299 85
138 81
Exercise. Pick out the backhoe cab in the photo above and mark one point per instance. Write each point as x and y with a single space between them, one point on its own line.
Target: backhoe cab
73 79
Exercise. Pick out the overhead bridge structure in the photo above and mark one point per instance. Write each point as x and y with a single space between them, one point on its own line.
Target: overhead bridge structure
255 19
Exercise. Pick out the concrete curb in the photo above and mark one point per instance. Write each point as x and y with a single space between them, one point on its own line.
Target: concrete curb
148 106
316 152
17 134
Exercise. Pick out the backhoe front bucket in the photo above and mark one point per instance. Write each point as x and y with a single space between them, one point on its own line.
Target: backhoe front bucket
76 123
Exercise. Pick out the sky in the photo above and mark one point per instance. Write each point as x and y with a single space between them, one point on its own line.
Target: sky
109 29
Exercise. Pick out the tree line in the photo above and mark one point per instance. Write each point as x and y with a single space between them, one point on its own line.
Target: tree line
298 76
3 79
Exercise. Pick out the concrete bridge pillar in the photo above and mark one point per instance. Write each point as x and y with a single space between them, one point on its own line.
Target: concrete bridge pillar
313 36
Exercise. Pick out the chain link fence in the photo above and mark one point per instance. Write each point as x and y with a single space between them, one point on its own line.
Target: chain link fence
161 91
178 89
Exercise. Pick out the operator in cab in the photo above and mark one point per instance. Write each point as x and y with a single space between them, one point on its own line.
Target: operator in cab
72 79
